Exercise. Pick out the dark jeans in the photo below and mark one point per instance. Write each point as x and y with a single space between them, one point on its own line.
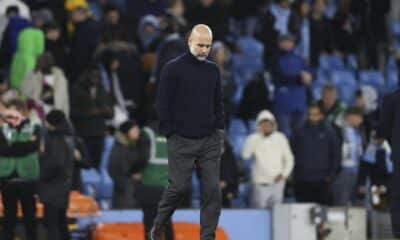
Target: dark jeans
313 192
95 146
56 223
148 198
183 154
24 192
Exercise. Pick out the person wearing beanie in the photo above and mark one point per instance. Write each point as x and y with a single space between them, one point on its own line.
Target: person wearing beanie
128 157
19 172
57 164
273 161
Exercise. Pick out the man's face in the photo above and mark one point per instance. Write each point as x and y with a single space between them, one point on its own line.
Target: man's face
354 120
315 116
53 34
286 45
319 6
266 127
134 133
112 17
206 3
200 45
329 98
78 15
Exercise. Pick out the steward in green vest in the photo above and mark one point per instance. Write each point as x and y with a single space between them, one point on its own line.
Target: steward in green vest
19 172
154 180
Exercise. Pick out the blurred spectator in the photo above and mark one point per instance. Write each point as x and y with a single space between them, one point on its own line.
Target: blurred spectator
175 12
41 17
302 8
321 34
30 46
373 31
109 65
128 156
344 187
47 85
148 34
291 76
229 182
395 10
376 167
317 157
56 44
57 168
112 27
153 180
19 172
83 42
220 55
91 106
278 19
244 16
256 97
81 161
331 107
23 9
344 29
367 101
210 12
273 161
138 9
15 24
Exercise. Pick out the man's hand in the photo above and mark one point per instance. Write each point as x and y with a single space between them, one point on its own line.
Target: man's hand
11 116
222 184
306 77
137 176
279 178
77 155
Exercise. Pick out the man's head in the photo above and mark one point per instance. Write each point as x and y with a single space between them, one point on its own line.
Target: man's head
130 129
283 3
111 15
329 96
315 115
20 106
12 11
354 117
200 41
318 6
52 31
79 14
266 122
286 42
206 3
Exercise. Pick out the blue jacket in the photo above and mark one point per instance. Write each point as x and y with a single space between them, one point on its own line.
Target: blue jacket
317 152
290 93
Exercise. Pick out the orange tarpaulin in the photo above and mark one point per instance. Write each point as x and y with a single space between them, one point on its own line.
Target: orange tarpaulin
125 231
79 206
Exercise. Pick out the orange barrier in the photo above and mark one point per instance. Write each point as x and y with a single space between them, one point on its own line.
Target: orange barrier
125 231
79 206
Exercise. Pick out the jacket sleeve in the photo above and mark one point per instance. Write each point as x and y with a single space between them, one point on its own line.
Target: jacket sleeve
386 118
18 149
218 104
165 94
288 158
51 165
335 154
143 155
280 77
116 170
249 147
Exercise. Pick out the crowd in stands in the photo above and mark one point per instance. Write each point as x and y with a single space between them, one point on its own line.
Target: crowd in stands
302 82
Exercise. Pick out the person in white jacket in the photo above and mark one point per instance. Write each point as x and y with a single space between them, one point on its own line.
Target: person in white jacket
273 161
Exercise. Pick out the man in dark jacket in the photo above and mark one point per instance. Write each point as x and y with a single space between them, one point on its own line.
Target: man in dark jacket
291 76
83 43
128 156
390 129
191 112
317 156
57 163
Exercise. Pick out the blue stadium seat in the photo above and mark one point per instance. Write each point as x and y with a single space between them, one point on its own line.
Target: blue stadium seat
374 79
91 181
346 85
107 184
237 126
395 28
237 141
330 62
108 144
392 82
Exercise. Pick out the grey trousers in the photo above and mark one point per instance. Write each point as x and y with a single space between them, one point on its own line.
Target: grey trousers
183 154
266 196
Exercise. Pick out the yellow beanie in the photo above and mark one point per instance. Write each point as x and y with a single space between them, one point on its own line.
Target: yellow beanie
73 4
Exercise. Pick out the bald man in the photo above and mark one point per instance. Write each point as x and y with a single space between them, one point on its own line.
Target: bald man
190 109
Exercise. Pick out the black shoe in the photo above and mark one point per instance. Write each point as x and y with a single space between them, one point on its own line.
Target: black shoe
157 232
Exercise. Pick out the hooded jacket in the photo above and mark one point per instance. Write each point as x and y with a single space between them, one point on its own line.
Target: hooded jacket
272 154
